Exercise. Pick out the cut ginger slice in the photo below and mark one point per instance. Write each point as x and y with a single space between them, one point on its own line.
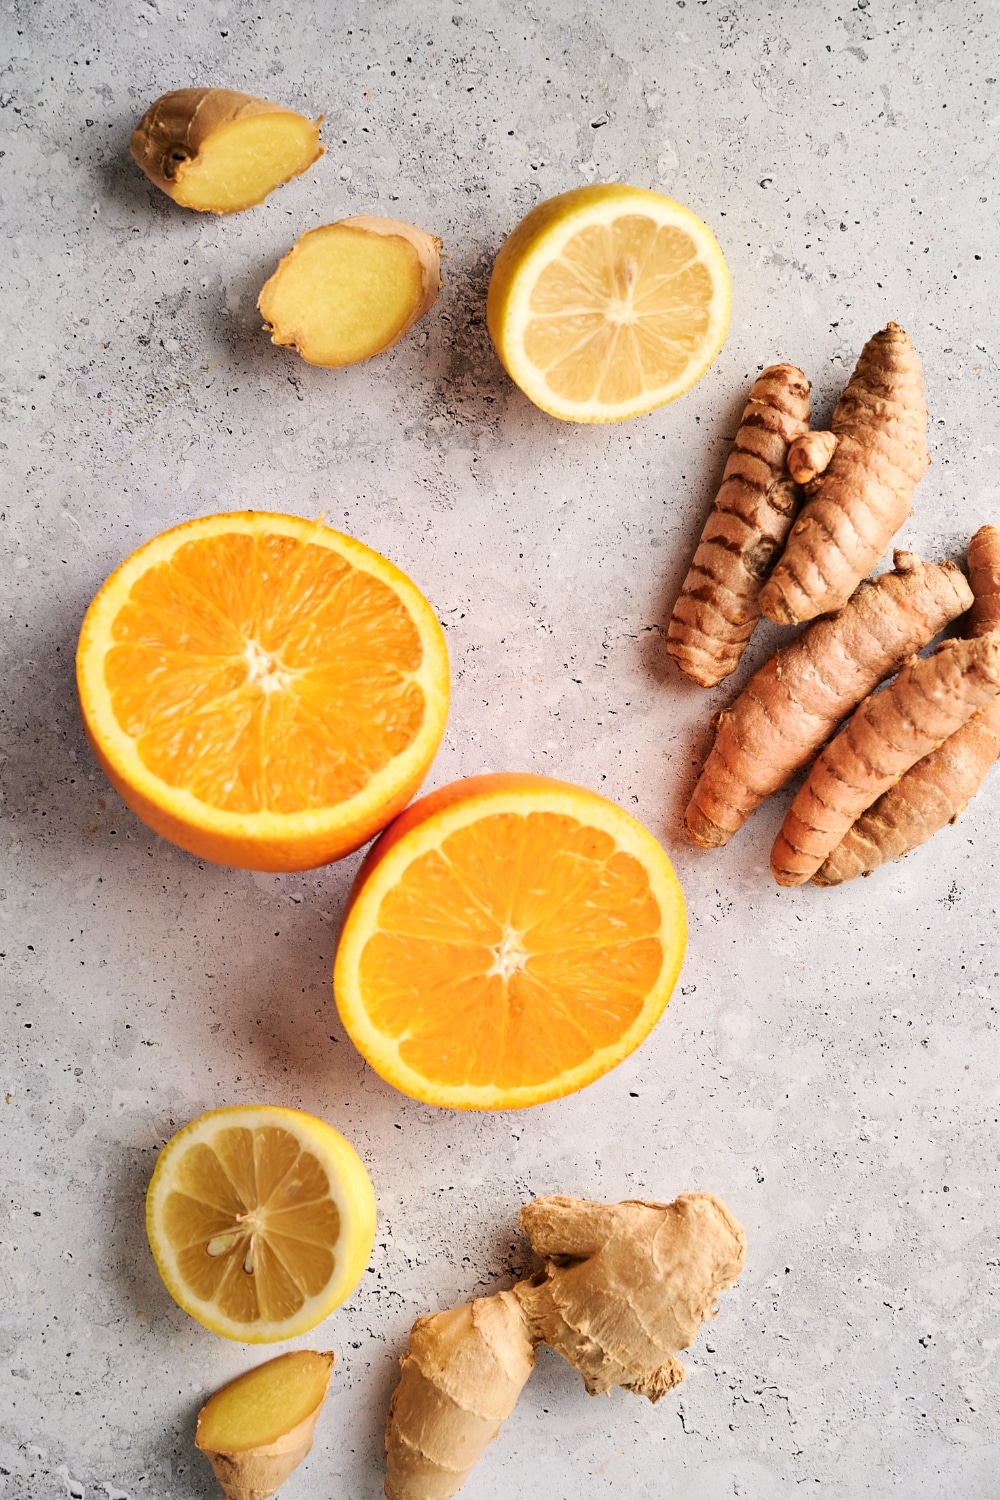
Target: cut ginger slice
608 301
259 1427
262 690
261 1220
349 290
509 939
220 151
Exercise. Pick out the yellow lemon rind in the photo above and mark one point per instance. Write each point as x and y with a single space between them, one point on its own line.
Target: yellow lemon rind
350 1188
586 807
263 840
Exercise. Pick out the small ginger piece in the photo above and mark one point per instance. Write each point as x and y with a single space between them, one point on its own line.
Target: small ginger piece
793 704
717 607
862 497
259 1427
935 791
349 290
219 151
929 700
625 1286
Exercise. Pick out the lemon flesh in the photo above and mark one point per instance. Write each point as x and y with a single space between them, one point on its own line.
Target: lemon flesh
608 301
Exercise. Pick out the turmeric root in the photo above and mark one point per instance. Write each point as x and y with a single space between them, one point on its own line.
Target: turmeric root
929 700
856 504
792 705
934 791
717 607
349 290
219 151
624 1287
259 1427
810 455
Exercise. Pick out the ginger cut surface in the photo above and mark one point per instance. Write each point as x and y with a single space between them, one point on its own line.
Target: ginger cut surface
219 151
624 1287
936 790
864 494
929 700
349 290
717 607
259 1427
793 704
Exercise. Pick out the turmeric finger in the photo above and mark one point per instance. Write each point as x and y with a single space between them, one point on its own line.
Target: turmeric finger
795 702
934 791
929 700
856 505
810 455
717 607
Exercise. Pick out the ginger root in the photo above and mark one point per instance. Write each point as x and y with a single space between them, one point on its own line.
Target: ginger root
864 494
793 704
219 151
717 607
624 1287
259 1427
349 290
935 791
929 700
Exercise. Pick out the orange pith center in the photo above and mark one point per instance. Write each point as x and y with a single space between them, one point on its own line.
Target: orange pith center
620 311
264 673
251 1219
513 951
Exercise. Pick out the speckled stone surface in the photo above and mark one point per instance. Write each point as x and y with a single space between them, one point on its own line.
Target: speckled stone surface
828 1064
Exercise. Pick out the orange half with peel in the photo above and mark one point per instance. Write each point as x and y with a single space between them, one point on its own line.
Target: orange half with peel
509 939
262 690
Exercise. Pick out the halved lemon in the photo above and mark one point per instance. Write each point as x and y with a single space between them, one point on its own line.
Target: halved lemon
261 1220
509 939
608 301
262 690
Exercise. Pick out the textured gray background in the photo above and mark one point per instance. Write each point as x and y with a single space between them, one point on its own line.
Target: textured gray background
828 1063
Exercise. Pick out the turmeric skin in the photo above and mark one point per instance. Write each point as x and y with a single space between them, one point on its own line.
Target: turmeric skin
860 499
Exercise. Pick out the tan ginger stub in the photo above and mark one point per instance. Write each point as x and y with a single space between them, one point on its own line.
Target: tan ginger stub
929 700
717 607
220 151
935 791
858 502
624 1287
793 704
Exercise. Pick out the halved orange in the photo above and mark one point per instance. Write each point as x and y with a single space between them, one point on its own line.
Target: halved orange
608 301
261 1220
509 939
262 690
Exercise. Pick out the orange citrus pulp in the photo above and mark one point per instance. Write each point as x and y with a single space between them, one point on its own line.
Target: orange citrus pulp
509 939
262 690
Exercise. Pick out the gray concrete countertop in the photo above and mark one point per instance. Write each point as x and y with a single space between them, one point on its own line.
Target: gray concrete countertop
828 1062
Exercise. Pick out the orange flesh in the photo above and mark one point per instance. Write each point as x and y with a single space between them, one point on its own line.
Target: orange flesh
253 1224
622 309
513 952
264 673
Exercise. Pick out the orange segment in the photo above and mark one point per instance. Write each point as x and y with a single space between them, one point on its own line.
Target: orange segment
510 938
608 301
262 690
261 1220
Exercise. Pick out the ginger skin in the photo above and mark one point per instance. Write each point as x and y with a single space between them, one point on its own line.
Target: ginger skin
935 791
929 700
219 151
717 607
624 1287
793 704
864 494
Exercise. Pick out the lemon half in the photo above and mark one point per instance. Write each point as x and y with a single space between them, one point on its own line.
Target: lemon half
261 1220
608 301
